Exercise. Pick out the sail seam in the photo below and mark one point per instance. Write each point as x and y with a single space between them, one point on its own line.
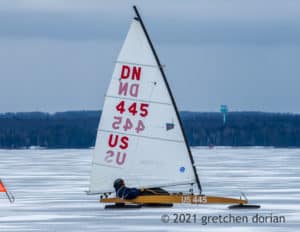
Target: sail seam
105 165
143 136
139 64
139 100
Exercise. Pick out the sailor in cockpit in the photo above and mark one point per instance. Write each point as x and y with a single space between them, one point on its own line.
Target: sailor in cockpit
124 192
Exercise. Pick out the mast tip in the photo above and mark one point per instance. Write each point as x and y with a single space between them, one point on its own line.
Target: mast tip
135 10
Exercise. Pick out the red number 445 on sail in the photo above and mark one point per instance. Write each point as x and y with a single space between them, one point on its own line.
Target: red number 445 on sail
134 108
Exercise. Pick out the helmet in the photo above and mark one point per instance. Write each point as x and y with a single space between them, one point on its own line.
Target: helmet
118 183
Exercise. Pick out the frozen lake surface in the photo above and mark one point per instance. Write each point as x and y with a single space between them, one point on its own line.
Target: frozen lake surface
49 189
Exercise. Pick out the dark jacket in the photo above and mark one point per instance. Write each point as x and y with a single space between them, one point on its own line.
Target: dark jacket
127 193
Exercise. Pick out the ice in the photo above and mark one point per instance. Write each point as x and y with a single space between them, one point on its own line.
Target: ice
49 187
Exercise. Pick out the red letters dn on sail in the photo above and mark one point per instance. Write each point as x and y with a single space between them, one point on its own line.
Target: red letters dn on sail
134 73
129 74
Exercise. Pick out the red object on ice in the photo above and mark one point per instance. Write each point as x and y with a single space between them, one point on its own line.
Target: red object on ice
2 187
9 195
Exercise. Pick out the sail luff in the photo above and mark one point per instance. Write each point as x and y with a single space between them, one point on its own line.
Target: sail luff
138 17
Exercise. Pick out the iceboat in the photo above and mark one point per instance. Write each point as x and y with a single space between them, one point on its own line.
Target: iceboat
140 137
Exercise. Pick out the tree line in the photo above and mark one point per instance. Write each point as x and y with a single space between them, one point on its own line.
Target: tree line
77 129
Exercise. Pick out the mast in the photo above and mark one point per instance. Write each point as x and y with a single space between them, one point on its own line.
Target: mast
138 17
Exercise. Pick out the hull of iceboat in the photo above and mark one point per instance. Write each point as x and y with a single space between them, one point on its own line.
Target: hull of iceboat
176 199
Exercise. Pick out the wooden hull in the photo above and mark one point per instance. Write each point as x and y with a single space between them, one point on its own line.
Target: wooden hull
176 199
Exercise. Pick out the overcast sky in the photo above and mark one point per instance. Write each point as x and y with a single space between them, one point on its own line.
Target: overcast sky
59 55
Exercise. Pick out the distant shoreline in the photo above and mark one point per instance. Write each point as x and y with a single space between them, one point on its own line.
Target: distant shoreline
192 147
77 129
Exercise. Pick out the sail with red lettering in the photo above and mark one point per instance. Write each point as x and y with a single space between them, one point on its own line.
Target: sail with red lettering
140 137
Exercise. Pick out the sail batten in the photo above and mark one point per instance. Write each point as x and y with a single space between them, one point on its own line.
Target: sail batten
140 136
145 65
141 100
147 137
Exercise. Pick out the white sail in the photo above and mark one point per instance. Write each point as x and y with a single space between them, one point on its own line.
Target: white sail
139 137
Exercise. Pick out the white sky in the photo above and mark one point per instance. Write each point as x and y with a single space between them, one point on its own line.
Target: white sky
59 55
